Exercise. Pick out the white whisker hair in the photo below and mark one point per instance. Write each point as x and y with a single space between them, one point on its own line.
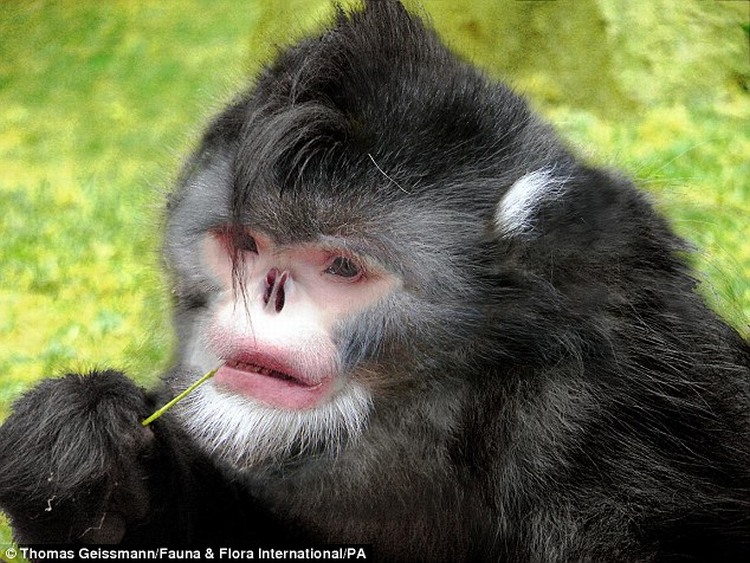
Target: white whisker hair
244 433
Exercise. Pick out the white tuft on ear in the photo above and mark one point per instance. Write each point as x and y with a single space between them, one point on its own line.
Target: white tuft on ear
517 210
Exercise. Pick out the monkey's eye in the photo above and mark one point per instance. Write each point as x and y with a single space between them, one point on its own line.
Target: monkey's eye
344 267
245 242
236 240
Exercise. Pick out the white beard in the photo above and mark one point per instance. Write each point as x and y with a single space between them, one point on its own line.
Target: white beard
242 433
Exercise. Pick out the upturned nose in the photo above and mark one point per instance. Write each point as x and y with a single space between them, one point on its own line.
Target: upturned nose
274 295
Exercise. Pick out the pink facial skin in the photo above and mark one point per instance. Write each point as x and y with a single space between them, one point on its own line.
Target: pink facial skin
276 344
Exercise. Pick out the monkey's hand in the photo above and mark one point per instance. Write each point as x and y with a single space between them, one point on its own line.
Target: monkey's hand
73 460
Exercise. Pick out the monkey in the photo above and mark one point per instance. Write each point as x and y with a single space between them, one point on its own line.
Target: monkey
438 332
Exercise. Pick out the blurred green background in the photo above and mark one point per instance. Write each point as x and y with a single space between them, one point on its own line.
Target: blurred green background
99 100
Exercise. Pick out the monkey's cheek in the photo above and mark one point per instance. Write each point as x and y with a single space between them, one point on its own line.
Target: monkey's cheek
282 393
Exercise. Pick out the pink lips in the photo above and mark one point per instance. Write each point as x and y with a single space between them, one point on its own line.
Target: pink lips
266 380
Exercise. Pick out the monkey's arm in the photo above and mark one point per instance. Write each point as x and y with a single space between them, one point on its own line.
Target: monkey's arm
77 466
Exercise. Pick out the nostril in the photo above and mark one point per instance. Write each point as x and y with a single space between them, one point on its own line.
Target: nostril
280 292
275 291
271 277
270 283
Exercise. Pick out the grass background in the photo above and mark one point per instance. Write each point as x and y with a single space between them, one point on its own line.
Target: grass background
98 101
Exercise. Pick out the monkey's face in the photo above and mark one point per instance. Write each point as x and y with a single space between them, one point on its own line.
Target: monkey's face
274 334
273 321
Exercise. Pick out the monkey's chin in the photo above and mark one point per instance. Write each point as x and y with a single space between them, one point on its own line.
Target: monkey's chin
243 433
272 388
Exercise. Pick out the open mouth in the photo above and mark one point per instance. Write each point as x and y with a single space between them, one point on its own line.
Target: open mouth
270 382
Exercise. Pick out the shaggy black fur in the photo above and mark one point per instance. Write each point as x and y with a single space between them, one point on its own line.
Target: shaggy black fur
551 387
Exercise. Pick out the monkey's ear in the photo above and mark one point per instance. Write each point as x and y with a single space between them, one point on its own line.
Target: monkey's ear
520 209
